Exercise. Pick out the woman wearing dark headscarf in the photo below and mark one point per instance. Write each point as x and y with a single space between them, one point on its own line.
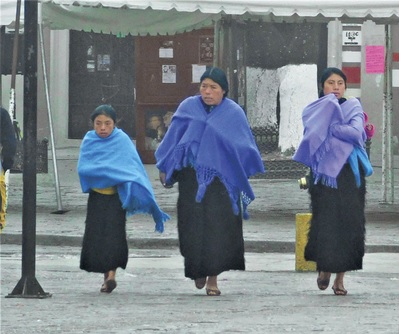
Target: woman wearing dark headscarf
210 151
333 148
110 170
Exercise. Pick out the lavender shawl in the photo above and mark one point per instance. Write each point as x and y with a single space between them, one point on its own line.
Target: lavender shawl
216 144
114 161
333 134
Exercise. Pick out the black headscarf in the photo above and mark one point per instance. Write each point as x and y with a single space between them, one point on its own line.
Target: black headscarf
217 75
104 109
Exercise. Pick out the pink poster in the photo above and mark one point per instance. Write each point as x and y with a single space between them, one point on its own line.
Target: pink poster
375 58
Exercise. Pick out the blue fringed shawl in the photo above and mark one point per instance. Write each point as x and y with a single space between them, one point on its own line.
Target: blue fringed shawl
216 144
114 161
333 135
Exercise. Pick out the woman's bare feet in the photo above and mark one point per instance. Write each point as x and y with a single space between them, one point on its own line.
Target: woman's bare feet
212 286
109 281
338 286
323 280
200 282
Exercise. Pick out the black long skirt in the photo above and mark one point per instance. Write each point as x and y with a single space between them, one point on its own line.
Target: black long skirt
336 238
104 242
210 235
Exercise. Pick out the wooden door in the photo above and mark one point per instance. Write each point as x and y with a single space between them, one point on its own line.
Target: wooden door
167 71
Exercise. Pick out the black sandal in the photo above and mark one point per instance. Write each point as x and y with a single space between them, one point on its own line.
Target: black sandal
213 292
108 286
323 283
339 291
200 282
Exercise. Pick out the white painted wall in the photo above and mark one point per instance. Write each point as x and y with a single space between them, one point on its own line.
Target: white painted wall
19 95
372 85
298 87
59 87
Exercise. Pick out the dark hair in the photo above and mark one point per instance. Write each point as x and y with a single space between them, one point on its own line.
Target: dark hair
217 75
327 73
104 109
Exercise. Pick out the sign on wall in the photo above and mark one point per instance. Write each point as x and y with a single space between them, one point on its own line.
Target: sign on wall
352 37
375 59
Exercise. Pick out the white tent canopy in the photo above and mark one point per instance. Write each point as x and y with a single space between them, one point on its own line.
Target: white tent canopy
8 11
142 17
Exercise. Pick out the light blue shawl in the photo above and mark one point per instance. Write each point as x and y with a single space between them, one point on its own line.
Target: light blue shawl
114 161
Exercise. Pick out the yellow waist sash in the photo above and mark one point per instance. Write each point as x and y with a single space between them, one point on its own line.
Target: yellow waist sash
106 191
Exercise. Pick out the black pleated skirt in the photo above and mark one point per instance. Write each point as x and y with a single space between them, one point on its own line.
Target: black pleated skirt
336 239
104 245
210 235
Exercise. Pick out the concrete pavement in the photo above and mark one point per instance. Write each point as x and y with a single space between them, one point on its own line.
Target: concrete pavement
270 228
153 296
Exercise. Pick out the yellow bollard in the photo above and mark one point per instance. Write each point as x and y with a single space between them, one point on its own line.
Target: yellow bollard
3 201
302 228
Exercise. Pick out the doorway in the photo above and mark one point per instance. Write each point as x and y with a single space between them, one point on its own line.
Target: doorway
101 72
168 69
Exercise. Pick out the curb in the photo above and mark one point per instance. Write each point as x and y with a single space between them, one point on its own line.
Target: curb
251 246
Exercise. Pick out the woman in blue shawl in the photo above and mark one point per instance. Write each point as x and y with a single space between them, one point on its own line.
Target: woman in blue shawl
210 151
111 171
333 148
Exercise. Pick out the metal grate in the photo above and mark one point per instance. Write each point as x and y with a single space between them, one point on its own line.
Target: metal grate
266 138
282 169
277 165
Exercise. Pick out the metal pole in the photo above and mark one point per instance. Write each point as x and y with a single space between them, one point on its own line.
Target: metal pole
28 286
12 108
387 150
1 65
50 119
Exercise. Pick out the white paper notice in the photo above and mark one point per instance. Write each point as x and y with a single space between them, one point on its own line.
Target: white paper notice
198 70
165 53
395 78
168 73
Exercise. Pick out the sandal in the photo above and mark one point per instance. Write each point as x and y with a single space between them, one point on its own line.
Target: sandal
213 292
339 291
200 282
323 283
108 286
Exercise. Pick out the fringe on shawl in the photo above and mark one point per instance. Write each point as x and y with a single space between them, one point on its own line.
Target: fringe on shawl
206 175
136 199
329 181
184 157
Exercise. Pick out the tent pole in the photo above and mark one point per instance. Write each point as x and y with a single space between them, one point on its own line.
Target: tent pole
12 108
387 150
56 179
1 66
14 62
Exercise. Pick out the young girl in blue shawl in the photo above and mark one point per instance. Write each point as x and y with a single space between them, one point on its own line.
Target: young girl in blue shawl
111 171
333 148
210 151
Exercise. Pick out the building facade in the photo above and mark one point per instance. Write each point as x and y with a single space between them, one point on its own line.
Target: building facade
273 70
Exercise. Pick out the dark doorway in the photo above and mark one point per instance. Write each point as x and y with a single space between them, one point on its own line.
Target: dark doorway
273 45
101 70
